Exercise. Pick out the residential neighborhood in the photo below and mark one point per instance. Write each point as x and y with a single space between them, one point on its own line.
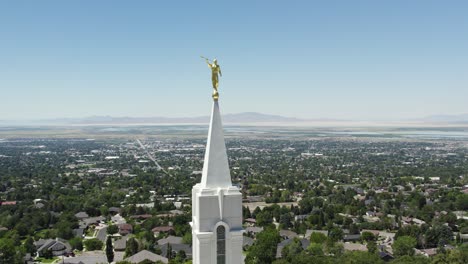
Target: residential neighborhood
311 198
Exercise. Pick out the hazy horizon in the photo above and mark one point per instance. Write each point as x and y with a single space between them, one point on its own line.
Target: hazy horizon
362 60
247 118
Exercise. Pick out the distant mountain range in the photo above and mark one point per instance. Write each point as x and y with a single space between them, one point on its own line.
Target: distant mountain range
248 117
239 118
463 118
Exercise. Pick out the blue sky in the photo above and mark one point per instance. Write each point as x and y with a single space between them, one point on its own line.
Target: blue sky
308 59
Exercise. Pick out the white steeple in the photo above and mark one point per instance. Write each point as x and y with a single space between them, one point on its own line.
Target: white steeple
216 204
215 167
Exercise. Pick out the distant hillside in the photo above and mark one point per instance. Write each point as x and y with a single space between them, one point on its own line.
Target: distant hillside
229 118
463 118
249 117
252 117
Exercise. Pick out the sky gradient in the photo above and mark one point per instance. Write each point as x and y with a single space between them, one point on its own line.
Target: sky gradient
359 60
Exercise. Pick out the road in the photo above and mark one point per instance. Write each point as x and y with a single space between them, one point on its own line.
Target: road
151 157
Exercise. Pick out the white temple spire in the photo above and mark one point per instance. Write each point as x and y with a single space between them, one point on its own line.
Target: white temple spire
216 168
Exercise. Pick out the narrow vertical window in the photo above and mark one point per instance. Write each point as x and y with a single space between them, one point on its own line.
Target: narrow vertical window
221 244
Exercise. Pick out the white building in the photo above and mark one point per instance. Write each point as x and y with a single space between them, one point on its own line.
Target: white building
216 204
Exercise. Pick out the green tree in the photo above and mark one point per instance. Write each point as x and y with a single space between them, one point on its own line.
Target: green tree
367 236
112 229
109 249
7 251
263 251
333 248
318 238
315 249
372 246
76 243
404 246
180 257
47 254
264 218
64 230
336 234
29 246
246 212
441 258
304 258
93 244
131 248
291 250
360 257
459 255
104 210
187 238
353 229
285 220
281 261
438 236
462 202
411 260
169 251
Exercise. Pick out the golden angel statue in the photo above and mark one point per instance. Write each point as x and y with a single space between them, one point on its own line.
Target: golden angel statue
215 73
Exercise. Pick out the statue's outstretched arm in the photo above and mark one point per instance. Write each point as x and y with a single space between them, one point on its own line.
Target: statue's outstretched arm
208 63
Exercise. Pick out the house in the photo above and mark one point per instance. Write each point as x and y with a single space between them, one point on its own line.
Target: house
141 217
57 246
285 234
370 214
464 237
81 215
385 256
91 221
247 242
114 210
125 229
354 247
120 244
171 240
250 221
118 219
300 217
28 259
78 232
406 220
176 212
146 255
351 237
162 229
86 257
429 252
175 249
418 222
102 234
387 236
4 203
279 248
253 230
